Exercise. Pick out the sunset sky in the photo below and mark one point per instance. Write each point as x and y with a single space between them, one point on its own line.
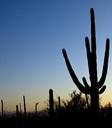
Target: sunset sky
32 35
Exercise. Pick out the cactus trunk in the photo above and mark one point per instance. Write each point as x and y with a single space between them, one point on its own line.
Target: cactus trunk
95 102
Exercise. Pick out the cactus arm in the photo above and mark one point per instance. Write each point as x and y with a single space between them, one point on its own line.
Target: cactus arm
105 65
93 34
89 57
93 47
102 89
87 46
73 75
85 82
88 53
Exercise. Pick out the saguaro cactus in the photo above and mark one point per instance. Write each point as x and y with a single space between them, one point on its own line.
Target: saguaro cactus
51 102
2 111
96 87
24 105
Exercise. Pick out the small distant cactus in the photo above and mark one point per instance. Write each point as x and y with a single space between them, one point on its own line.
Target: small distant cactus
59 102
2 110
17 111
24 105
96 87
36 104
20 108
51 102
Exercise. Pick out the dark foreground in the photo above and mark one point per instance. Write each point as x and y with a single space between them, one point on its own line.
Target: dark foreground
74 120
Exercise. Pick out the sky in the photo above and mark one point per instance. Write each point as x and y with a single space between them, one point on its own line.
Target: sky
32 36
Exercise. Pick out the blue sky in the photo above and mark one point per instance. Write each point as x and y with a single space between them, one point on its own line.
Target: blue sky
32 35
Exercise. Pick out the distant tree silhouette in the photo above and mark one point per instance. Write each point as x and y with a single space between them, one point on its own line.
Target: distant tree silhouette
96 87
87 101
76 102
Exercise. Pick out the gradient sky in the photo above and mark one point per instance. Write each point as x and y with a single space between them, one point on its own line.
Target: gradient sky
32 35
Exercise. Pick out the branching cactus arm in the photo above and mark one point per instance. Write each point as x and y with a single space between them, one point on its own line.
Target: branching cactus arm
105 66
73 75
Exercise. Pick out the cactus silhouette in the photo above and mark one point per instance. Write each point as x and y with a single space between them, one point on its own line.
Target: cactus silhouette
59 102
24 105
17 110
96 87
20 108
2 111
51 102
36 104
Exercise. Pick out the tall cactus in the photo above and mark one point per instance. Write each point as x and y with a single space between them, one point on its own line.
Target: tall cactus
51 102
24 103
96 87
